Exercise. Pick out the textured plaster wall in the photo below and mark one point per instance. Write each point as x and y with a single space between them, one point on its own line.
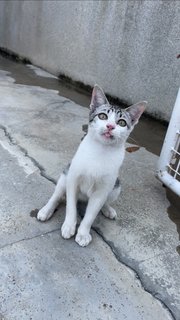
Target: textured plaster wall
127 47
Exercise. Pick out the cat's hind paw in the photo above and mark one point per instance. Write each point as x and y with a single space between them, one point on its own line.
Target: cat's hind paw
109 212
83 240
68 230
45 213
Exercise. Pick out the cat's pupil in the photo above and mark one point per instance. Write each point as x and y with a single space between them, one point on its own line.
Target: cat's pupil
102 116
122 123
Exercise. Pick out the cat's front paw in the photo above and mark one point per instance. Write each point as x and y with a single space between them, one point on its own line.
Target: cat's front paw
109 212
83 239
44 214
68 230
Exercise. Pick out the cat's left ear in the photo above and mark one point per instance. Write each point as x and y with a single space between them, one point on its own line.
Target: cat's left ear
98 98
135 111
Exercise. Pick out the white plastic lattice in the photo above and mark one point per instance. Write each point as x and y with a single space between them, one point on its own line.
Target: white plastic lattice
174 165
169 161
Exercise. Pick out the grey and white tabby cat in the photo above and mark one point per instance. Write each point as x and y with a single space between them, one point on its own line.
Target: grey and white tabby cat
93 172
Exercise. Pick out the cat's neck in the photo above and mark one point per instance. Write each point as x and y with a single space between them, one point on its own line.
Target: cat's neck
93 150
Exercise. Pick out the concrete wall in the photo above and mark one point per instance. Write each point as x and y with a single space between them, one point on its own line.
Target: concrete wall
127 47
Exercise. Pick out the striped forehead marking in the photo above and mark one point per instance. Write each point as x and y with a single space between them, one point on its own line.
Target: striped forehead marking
116 109
106 109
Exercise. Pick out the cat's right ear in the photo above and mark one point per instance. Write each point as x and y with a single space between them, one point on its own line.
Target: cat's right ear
98 98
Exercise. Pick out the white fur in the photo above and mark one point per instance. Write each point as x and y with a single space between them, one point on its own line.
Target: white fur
92 175
93 170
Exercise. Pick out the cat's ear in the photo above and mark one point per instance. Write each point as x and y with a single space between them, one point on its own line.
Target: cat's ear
98 98
135 111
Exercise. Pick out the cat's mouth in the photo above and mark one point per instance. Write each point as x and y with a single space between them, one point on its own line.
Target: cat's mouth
108 135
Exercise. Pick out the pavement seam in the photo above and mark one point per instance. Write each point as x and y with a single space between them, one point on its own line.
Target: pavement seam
29 238
109 243
137 276
25 153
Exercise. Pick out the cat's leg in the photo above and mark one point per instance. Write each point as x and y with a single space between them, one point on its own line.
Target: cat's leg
95 203
69 226
47 211
107 210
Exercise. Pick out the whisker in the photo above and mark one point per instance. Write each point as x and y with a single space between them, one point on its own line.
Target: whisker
133 140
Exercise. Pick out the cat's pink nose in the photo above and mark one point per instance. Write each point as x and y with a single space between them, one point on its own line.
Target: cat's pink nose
110 126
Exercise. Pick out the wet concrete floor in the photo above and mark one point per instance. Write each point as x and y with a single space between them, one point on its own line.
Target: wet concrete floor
156 241
149 133
174 211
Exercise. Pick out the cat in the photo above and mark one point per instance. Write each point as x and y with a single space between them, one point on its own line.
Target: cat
93 173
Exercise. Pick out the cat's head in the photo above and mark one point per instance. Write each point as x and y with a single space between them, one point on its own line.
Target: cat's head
109 124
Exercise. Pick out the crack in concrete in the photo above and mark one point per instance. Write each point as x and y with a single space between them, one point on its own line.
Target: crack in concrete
29 238
137 276
25 153
98 232
7 134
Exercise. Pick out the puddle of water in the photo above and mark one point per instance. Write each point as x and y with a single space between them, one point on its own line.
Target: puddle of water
24 75
148 133
174 211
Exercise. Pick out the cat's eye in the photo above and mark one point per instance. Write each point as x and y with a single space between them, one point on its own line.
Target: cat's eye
122 123
102 116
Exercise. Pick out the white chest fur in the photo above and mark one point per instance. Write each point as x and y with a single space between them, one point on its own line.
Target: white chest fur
95 165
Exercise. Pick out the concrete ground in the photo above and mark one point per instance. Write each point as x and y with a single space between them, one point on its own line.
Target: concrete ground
131 268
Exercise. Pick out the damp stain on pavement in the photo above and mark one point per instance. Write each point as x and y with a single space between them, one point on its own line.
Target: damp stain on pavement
146 239
174 212
33 213
149 133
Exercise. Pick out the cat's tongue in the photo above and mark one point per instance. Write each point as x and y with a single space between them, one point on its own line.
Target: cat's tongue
107 134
